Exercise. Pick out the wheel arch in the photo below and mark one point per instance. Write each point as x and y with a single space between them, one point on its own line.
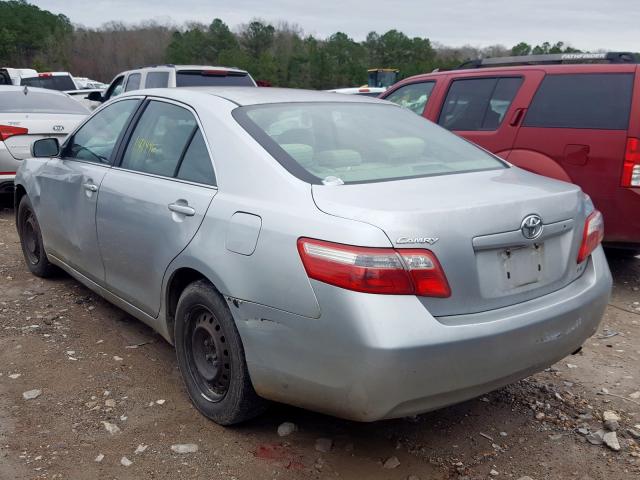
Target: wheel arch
179 279
18 193
539 163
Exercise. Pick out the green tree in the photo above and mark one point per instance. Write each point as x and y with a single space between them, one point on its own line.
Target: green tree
28 33
521 48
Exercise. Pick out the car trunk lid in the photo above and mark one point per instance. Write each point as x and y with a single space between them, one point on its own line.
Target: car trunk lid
473 223
38 126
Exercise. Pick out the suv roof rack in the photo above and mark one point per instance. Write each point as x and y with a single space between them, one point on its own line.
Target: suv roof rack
551 59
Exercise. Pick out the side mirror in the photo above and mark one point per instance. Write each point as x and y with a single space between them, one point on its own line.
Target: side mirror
95 97
45 147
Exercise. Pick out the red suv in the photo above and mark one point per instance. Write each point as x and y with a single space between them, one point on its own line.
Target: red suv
574 122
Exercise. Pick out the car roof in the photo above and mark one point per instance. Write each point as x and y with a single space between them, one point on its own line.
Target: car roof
189 67
551 69
254 95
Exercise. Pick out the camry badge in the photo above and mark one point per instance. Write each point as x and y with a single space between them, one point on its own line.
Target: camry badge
429 240
531 227
58 128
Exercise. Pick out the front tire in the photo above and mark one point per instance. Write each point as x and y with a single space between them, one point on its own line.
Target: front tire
211 357
31 241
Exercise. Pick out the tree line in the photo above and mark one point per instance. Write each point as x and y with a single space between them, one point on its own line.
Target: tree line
280 54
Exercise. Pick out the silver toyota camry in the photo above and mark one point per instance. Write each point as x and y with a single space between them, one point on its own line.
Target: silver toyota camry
339 254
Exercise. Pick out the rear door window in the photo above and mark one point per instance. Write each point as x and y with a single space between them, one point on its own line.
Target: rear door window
597 101
159 140
413 96
157 80
133 82
478 103
196 164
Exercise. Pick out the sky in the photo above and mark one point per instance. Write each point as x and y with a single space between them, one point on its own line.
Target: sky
585 24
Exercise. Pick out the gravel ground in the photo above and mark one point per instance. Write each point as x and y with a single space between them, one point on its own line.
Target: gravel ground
94 370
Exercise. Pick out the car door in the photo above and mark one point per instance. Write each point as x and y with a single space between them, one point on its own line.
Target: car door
487 109
152 203
70 187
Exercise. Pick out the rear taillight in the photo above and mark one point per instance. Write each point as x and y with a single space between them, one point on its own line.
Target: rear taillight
7 131
374 270
631 166
216 73
592 235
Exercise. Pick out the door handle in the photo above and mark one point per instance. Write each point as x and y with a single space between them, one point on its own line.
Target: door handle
516 117
90 187
182 209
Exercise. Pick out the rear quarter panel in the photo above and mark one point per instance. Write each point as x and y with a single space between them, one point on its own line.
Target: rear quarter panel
251 181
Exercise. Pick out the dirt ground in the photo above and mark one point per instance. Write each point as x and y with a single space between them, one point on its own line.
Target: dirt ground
93 363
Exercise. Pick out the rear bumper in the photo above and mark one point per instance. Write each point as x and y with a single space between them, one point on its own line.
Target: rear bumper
370 357
621 219
8 168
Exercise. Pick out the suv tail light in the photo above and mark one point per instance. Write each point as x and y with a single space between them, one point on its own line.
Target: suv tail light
631 167
592 235
7 131
374 270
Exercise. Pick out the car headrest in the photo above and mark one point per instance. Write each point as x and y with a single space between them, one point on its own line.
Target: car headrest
301 153
338 158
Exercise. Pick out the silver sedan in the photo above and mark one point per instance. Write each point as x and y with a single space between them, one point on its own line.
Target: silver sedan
337 253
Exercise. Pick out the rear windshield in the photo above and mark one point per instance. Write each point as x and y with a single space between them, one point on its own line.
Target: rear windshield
16 101
203 78
58 82
359 142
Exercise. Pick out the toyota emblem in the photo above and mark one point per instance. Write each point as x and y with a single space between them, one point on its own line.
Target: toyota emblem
531 226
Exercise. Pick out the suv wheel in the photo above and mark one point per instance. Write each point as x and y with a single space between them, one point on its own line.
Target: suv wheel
211 357
31 241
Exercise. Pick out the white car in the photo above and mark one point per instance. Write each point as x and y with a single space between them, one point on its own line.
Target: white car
28 114
365 91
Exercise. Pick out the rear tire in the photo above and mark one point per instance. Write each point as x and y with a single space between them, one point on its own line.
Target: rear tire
31 241
211 357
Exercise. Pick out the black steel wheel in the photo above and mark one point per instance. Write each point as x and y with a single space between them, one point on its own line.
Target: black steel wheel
31 241
208 356
211 357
